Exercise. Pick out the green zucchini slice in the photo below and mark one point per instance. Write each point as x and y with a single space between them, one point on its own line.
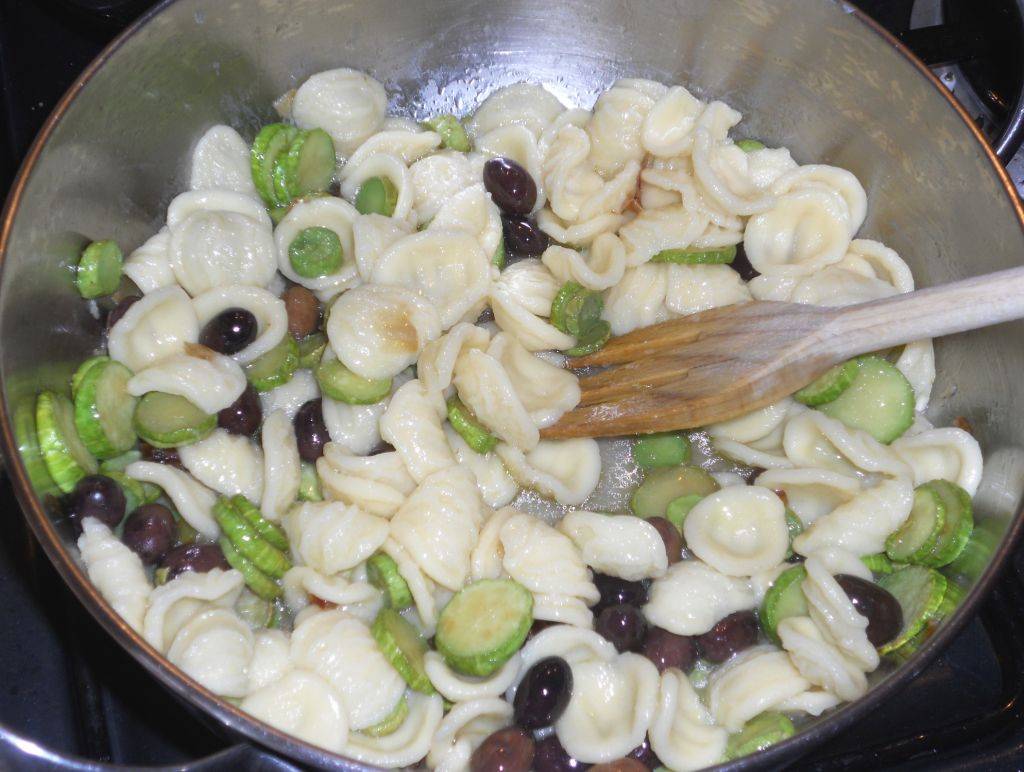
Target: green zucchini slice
311 350
104 409
880 400
378 195
575 308
662 449
591 339
307 167
383 573
958 526
785 598
309 483
828 386
272 140
476 435
66 458
402 646
722 256
99 269
272 533
315 252
679 508
247 541
919 591
760 732
749 145
663 486
390 723
257 581
483 625
914 541
169 420
276 367
453 135
338 382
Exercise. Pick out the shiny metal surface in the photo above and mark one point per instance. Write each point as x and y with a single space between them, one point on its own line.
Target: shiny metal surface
810 74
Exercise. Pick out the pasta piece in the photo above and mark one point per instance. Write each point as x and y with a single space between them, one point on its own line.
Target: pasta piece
739 530
532 331
436 179
638 300
548 564
522 104
615 128
421 588
173 604
693 288
601 267
813 439
683 734
377 484
546 391
304 585
861 525
342 651
439 523
281 466
486 388
377 332
811 493
304 705
269 310
917 362
874 259
354 427
405 746
116 571
653 230
447 268
406 145
692 597
148 267
436 365
671 181
154 328
386 167
518 144
497 487
834 285
574 644
209 380
227 463
668 128
833 612
455 687
332 537
193 500
750 683
611 707
334 214
529 284
942 454
220 160
471 210
619 545
486 559
832 179
214 647
270 658
347 104
219 238
412 426
463 729
579 234
289 397
564 470
819 661
372 236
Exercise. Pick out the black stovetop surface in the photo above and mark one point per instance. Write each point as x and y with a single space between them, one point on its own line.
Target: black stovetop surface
66 685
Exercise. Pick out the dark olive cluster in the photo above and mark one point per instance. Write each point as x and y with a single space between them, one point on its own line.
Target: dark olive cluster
515 192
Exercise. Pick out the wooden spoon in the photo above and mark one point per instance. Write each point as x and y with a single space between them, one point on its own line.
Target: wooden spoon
724 362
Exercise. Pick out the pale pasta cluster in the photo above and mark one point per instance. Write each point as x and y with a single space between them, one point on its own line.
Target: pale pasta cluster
649 168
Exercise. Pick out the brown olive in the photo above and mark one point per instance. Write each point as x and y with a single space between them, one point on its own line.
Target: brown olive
303 311
244 415
149 531
729 636
666 649
507 750
671 536
882 610
193 557
167 456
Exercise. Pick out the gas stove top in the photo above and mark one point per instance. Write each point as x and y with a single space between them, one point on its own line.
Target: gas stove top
68 687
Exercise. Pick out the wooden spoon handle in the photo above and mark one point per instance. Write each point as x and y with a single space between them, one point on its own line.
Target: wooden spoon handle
963 305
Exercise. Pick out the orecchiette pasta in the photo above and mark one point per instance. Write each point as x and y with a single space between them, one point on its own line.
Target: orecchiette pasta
281 466
347 104
147 266
464 728
302 704
834 613
154 328
406 745
521 104
564 470
334 214
383 166
173 604
471 210
411 424
458 688
819 661
692 596
811 493
270 658
377 484
436 179
116 571
738 530
683 733
227 463
942 454
209 380
220 160
619 545
267 308
193 500
815 440
752 682
598 268
436 365
372 236
406 145
357 598
214 647
333 537
496 485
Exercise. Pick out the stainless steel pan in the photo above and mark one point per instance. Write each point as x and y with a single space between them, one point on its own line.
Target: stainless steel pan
813 75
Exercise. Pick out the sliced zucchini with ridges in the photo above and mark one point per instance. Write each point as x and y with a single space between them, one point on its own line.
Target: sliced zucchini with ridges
247 541
591 339
276 367
483 625
64 455
402 646
880 400
958 526
104 410
382 572
338 382
663 486
914 541
880 563
255 611
785 598
170 420
83 368
828 386
575 308
257 581
308 166
309 483
721 256
272 140
311 350
476 435
919 591
378 195
99 270
271 532
663 449
390 723
315 252
453 135
760 732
